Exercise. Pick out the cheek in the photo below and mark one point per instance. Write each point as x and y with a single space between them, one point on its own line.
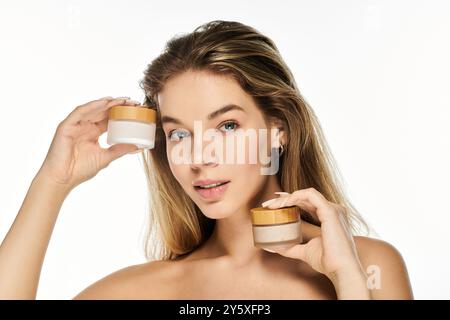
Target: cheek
181 172
250 175
247 182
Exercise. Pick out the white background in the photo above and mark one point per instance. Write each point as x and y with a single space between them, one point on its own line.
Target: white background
375 72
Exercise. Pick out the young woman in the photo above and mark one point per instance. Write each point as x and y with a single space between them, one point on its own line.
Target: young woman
228 76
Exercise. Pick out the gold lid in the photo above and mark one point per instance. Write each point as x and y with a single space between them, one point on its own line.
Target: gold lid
261 215
140 113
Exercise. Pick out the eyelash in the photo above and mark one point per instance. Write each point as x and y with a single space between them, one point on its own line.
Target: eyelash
169 136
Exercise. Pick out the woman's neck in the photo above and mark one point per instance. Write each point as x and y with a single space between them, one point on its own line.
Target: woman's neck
232 237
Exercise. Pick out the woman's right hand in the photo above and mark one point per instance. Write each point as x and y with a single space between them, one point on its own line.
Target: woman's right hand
75 155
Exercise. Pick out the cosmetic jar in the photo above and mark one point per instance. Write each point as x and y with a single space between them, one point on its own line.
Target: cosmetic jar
133 125
276 227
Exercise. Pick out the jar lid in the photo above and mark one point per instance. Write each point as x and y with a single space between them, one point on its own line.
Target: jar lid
262 215
140 113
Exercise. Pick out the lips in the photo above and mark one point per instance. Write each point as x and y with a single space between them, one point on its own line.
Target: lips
211 189
208 183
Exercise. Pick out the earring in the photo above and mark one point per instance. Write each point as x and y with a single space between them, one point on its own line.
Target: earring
281 149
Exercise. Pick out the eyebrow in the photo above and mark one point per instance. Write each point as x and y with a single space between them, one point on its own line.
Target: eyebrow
212 115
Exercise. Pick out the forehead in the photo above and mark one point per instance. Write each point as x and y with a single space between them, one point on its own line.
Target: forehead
200 92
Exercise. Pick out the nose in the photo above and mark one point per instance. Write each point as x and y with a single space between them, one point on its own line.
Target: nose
210 163
197 166
200 159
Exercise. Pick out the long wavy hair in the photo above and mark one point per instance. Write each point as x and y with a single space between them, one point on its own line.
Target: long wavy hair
176 225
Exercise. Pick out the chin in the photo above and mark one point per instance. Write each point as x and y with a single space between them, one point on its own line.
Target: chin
216 210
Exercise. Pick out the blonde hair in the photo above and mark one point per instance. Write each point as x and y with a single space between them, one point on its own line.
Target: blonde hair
176 225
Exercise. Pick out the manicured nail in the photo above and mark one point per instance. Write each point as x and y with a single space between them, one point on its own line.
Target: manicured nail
133 101
268 202
281 193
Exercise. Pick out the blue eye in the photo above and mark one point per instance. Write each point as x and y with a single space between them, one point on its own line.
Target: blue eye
175 136
229 124
179 134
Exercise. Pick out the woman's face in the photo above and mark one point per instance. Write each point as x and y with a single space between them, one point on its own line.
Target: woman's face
189 105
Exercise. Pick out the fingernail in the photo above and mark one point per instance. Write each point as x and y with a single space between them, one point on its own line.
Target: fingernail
268 202
281 193
127 98
133 101
268 250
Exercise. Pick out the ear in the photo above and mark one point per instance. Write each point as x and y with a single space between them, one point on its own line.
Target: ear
282 135
276 123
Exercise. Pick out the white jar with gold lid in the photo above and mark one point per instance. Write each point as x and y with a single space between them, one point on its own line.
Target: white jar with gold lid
276 227
133 125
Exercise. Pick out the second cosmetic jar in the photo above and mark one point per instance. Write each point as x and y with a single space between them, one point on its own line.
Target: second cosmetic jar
276 227
133 125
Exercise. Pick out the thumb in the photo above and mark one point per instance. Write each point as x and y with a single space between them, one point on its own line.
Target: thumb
116 151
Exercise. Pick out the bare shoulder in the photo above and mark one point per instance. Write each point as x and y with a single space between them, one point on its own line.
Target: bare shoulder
150 280
385 267
372 249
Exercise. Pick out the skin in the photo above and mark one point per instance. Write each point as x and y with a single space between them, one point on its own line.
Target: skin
329 264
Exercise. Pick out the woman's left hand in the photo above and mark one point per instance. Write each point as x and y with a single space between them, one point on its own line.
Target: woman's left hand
333 253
